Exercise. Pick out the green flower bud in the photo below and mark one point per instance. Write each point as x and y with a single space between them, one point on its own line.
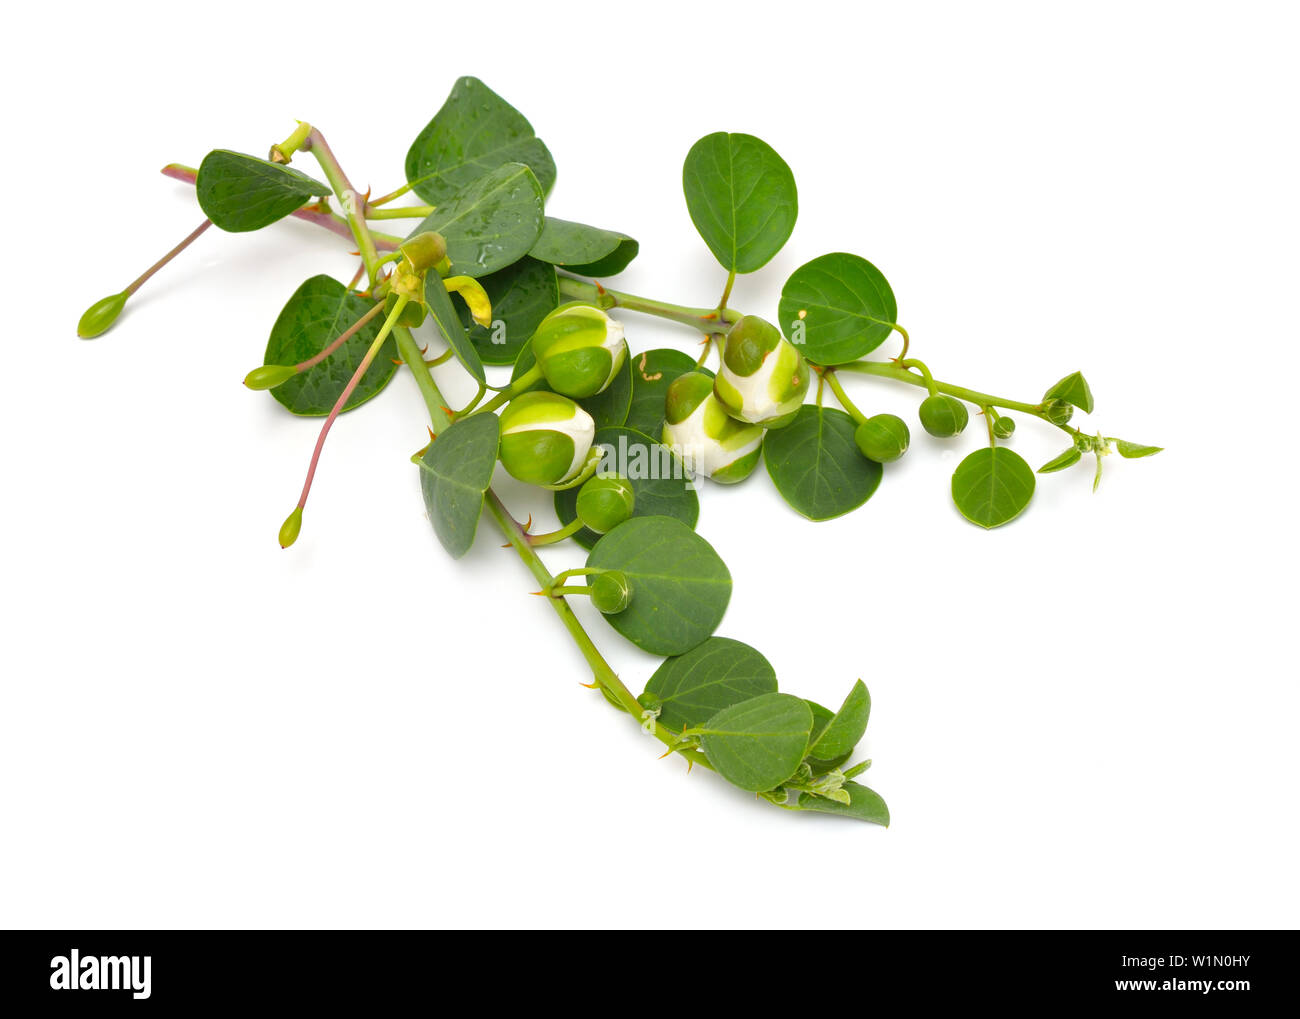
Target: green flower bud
268 376
290 528
1003 427
425 250
943 415
101 315
604 502
611 592
709 441
1057 411
883 438
762 378
579 349
545 438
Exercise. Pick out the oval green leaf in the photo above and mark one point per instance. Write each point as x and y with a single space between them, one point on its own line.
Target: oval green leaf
492 223
522 295
655 474
474 133
585 250
315 316
864 804
239 192
841 734
1073 389
690 689
837 308
1133 450
653 371
1058 463
992 486
680 588
451 328
455 471
759 743
816 465
741 197
607 408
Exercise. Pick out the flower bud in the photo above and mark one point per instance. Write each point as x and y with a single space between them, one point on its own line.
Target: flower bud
883 438
1003 427
545 438
1057 411
762 378
611 592
425 250
268 376
290 528
943 415
604 502
579 349
101 315
699 430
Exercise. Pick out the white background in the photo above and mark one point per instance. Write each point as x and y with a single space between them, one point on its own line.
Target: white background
1085 719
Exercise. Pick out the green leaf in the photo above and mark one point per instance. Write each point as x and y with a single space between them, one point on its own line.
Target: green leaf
585 250
741 197
691 688
1073 389
864 804
680 588
1132 450
640 459
607 408
816 466
1058 463
992 485
241 193
474 133
759 743
455 471
451 328
492 223
653 371
522 295
842 733
317 314
837 308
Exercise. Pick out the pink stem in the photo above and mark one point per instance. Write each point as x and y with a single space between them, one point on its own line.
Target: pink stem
352 331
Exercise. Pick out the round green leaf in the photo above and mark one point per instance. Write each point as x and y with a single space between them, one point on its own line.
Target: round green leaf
522 295
837 308
473 133
759 743
490 224
585 250
691 688
992 485
240 192
680 588
741 197
455 471
607 408
659 492
816 466
653 371
315 316
842 732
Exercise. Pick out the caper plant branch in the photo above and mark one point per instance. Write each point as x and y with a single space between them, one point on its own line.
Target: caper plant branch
440 418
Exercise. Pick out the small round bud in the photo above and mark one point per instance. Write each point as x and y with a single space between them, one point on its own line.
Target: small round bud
101 315
425 250
611 592
709 441
290 528
1057 411
604 502
1003 427
545 438
943 416
883 438
268 376
579 349
762 379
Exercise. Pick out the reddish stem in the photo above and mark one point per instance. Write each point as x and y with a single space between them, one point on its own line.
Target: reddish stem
351 331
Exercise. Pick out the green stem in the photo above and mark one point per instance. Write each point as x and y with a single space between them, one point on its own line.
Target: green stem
525 382
897 373
838 389
405 212
551 537
283 152
353 203
706 320
726 292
